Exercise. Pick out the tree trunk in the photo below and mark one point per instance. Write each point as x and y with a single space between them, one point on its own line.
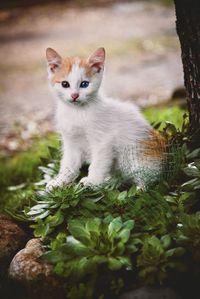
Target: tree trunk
188 30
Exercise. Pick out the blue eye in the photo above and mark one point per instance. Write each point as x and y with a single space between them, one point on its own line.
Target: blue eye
84 84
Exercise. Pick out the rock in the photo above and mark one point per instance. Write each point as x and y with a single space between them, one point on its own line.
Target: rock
36 276
26 264
151 293
12 238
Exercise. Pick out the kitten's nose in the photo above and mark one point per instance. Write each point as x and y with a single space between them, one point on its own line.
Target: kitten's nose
74 96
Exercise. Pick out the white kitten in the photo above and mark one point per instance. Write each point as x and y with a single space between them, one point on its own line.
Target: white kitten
108 134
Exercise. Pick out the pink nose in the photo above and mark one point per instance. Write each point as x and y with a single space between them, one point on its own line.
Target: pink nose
74 96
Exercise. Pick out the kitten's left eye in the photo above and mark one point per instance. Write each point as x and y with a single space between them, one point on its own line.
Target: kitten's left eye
84 84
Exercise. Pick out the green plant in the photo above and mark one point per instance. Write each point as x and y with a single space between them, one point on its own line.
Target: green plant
157 255
89 243
86 245
189 235
97 238
52 209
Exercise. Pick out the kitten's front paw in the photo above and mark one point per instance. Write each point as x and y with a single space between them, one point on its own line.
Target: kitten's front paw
87 181
56 182
63 178
52 184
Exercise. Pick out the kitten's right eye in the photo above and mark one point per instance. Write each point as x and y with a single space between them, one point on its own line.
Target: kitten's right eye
65 84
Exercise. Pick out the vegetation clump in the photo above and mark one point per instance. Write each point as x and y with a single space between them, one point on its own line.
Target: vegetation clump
114 237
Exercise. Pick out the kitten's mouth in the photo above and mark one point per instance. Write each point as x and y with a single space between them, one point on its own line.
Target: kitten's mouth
75 102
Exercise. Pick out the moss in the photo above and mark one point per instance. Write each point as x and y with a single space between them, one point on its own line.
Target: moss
22 169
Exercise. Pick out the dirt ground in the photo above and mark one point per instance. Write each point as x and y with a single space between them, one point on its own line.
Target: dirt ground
143 55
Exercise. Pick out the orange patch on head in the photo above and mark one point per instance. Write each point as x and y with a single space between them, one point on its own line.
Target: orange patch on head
88 69
66 68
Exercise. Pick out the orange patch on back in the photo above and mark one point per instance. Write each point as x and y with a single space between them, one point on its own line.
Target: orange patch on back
155 146
66 68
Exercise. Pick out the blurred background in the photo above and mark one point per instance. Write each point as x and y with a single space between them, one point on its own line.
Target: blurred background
143 57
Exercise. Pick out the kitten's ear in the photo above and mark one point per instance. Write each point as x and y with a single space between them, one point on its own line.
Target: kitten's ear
97 59
54 60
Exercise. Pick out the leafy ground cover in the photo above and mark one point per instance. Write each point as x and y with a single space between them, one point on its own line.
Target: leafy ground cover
109 239
19 170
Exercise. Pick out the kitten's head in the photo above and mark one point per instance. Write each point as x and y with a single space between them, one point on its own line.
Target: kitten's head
75 80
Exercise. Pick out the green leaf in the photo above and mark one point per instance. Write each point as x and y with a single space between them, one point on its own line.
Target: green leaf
77 268
40 229
129 224
120 248
58 241
114 264
17 187
55 220
118 262
42 215
114 226
59 268
52 151
131 247
166 241
124 235
79 232
63 206
157 125
108 219
51 257
93 225
192 171
179 251
155 242
171 199
112 195
170 128
35 212
191 185
40 206
132 191
122 196
75 248
194 154
125 261
46 170
89 204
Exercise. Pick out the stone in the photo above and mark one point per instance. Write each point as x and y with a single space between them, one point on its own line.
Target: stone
26 264
151 293
36 276
12 238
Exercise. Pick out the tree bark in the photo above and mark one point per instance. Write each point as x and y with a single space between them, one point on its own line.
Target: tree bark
188 30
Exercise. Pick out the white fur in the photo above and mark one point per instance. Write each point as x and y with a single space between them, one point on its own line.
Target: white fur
98 130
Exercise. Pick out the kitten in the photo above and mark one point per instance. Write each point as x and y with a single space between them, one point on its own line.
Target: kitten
110 135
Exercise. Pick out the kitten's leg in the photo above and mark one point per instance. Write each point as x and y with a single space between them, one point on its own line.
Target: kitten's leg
69 166
100 167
